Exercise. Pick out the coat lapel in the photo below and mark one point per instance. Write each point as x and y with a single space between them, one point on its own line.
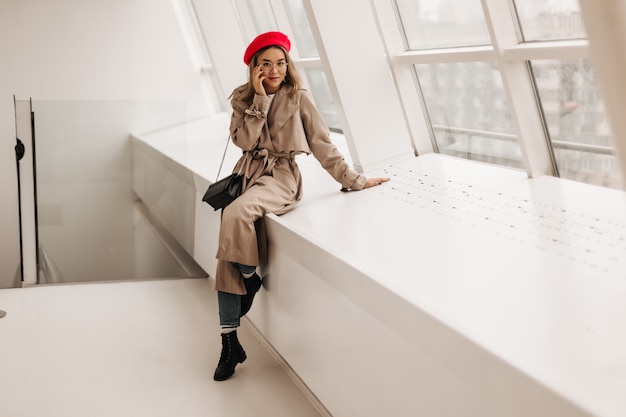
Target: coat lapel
282 109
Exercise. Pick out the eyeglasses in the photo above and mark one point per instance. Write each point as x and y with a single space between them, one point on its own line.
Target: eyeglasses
268 66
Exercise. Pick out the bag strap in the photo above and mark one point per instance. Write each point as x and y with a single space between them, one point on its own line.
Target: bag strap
223 157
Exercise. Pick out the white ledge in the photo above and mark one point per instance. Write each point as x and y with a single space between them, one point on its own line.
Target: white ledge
513 287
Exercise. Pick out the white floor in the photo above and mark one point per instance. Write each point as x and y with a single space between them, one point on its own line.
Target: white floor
131 349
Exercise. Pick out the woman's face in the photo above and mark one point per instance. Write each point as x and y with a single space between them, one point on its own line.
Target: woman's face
273 63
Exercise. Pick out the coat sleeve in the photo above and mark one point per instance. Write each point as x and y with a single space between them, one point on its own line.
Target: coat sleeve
247 122
318 138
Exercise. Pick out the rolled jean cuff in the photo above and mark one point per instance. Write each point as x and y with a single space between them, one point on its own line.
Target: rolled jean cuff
246 269
229 309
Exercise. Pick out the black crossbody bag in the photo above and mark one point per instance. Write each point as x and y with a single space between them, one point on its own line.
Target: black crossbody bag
223 192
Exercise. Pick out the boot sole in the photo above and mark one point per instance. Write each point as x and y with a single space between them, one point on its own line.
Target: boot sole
225 377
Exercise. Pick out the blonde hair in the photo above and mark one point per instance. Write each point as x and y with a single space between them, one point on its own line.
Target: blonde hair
292 81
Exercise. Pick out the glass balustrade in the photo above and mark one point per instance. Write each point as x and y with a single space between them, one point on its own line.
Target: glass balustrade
90 224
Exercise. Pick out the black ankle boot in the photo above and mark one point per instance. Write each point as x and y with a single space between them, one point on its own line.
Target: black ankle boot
232 354
253 284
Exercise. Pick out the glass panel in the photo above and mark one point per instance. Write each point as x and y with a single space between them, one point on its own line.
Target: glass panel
544 20
191 25
262 14
468 112
430 24
576 120
20 267
323 98
91 225
302 29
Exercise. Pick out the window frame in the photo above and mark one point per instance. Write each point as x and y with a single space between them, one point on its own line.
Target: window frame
376 24
513 57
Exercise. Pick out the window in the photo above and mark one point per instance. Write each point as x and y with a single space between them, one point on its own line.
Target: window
576 121
431 24
323 99
261 13
478 99
302 30
468 111
544 20
312 71
192 31
465 101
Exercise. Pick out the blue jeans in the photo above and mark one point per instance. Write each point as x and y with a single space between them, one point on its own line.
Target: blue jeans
230 304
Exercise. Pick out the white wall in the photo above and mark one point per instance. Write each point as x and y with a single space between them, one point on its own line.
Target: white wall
84 50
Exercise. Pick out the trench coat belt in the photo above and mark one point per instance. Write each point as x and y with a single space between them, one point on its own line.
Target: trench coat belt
269 160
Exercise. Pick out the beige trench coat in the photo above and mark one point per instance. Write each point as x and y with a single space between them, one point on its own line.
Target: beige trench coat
271 132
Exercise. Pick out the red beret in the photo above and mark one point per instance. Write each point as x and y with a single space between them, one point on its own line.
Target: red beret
264 40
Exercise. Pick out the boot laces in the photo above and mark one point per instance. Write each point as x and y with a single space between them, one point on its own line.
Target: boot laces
227 350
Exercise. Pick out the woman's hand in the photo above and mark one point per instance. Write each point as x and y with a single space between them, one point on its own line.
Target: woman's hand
257 81
373 182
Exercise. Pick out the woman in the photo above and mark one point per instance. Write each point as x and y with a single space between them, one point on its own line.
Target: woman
273 120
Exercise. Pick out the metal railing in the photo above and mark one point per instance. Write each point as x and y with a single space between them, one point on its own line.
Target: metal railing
556 144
